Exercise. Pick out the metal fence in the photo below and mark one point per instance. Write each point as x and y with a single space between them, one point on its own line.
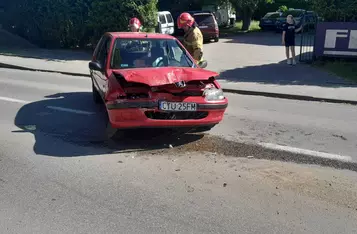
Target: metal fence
307 43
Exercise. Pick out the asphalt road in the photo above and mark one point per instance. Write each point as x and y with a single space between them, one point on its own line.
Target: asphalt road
58 176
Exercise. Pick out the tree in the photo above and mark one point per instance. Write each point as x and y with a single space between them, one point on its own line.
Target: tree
336 10
246 9
74 23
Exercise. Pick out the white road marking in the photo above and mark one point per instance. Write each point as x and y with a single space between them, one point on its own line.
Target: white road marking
13 100
70 110
306 152
41 85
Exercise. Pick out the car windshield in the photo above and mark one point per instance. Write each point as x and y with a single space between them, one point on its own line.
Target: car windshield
271 16
293 13
140 53
204 19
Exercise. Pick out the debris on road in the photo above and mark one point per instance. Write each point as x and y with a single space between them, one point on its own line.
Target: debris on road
190 189
340 136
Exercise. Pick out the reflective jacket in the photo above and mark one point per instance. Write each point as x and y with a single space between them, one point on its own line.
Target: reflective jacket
193 42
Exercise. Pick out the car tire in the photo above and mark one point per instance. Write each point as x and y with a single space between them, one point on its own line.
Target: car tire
216 39
96 96
110 131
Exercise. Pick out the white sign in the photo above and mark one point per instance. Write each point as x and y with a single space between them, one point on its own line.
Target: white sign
332 35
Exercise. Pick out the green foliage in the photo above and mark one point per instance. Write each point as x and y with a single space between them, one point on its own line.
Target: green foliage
263 8
148 14
336 10
73 23
283 8
178 6
114 15
246 9
76 23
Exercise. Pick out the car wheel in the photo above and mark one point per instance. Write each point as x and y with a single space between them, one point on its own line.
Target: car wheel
216 39
110 131
96 96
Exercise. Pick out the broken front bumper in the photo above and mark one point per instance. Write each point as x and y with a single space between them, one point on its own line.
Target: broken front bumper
137 114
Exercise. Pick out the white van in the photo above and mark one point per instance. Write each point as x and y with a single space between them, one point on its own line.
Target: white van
165 23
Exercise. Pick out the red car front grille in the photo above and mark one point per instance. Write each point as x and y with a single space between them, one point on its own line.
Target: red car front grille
176 115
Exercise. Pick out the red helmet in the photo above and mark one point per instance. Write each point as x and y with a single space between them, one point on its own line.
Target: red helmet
185 19
135 22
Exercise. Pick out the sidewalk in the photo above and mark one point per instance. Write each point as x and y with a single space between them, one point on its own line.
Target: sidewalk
339 93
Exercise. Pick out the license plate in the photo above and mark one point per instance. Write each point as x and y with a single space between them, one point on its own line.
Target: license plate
178 106
267 21
203 26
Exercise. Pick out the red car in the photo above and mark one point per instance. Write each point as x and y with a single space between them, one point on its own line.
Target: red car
150 80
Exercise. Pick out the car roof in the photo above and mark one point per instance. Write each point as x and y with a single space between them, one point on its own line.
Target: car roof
139 35
203 13
199 12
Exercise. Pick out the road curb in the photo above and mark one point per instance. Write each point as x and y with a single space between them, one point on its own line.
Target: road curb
290 96
236 91
10 66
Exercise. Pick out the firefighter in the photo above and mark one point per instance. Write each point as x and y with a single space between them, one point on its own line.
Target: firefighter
193 39
134 25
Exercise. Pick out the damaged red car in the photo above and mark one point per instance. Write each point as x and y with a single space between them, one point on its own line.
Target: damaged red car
149 80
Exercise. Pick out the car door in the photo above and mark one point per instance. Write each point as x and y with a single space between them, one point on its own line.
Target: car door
170 23
163 23
100 78
94 73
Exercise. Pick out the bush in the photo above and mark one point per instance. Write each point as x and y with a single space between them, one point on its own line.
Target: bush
336 10
74 23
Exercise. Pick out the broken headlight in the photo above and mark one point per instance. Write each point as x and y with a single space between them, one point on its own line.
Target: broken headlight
213 94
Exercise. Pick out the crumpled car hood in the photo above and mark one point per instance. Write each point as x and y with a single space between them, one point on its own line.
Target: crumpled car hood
164 75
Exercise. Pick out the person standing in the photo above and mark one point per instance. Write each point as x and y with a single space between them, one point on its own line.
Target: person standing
134 25
193 38
288 38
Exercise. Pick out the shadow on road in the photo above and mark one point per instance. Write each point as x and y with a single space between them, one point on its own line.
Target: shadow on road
62 133
283 74
267 39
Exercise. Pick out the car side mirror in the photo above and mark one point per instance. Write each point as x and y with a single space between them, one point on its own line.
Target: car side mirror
95 66
203 64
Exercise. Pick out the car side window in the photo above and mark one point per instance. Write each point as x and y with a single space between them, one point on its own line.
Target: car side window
162 19
169 18
104 51
98 47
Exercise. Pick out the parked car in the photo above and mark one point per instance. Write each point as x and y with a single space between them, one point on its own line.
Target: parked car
179 31
166 23
150 80
268 21
308 18
208 25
